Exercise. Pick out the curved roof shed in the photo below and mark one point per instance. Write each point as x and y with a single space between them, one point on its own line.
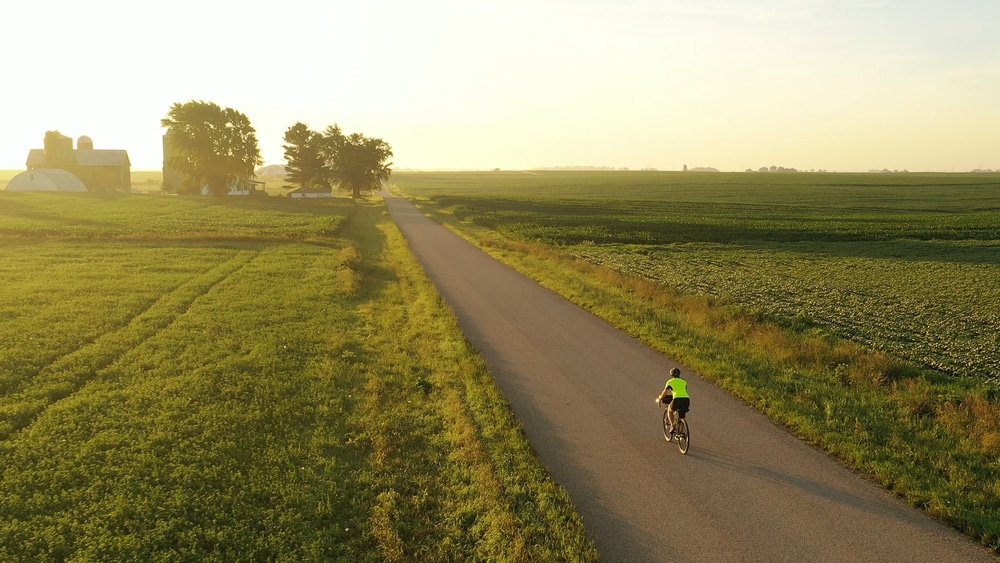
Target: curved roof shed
45 180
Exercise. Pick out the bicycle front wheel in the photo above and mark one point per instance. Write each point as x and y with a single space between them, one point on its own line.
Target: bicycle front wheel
683 436
666 426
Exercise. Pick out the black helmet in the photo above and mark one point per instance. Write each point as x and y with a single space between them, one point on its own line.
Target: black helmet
674 372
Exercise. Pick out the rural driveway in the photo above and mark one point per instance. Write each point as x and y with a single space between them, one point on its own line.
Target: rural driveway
747 491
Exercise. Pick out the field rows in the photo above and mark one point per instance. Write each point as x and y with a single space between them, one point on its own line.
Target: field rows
226 392
166 449
121 215
28 389
937 313
902 263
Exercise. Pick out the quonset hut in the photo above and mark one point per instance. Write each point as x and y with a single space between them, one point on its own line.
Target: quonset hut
45 180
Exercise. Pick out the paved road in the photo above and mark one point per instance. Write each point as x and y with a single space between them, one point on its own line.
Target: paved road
747 490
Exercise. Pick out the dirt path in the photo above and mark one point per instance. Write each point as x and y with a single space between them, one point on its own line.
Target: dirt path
747 491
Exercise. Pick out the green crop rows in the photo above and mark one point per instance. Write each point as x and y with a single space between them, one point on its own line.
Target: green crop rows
110 214
904 263
936 311
192 379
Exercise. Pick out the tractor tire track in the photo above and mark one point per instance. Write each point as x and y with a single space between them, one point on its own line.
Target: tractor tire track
68 373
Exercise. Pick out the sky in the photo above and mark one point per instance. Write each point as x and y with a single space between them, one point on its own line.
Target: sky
839 85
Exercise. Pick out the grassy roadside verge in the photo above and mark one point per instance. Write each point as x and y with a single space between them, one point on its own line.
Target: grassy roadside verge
451 474
207 387
932 440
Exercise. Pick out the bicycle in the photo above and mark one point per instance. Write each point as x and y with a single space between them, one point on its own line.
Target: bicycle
681 432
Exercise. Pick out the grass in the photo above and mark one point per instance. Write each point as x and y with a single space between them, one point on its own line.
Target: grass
189 379
859 302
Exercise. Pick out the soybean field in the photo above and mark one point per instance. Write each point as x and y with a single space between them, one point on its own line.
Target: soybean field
906 263
859 311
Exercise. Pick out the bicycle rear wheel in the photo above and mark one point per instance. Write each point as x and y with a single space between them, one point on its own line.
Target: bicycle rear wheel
666 427
683 435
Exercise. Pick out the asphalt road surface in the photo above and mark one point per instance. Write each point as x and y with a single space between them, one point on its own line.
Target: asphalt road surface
747 490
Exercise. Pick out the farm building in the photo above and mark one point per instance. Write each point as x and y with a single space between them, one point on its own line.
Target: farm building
45 180
97 169
311 193
171 177
241 187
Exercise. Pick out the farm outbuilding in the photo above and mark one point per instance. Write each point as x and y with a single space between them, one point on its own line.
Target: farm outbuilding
311 193
45 180
241 187
98 169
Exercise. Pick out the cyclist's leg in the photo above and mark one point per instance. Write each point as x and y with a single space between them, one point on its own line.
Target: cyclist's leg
683 404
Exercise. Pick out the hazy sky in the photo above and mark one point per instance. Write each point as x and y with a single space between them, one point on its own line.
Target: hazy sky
839 85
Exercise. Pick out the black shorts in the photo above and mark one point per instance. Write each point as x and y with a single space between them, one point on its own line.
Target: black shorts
680 405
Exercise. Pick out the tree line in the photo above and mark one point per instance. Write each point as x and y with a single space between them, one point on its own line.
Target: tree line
216 148
354 162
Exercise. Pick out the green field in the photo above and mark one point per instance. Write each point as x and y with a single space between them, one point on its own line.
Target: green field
903 263
254 379
861 311
151 181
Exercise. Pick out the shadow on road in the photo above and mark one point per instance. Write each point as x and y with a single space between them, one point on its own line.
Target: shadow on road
813 487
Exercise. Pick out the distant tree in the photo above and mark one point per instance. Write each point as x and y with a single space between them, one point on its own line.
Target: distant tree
210 145
304 157
355 162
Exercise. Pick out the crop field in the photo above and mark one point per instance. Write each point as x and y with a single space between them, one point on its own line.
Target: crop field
904 263
859 311
151 181
245 380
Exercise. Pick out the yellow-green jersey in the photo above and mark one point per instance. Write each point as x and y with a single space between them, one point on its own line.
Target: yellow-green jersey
679 388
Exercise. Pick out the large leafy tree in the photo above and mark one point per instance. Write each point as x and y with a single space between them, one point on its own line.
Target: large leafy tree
210 145
355 162
304 161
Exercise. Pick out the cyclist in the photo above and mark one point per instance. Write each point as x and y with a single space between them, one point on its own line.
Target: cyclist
675 391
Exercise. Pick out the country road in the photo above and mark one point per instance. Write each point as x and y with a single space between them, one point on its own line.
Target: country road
747 491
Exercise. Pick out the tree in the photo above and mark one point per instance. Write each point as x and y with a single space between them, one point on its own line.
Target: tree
304 158
209 145
355 162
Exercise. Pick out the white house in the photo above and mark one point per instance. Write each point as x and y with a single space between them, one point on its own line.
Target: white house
311 193
241 187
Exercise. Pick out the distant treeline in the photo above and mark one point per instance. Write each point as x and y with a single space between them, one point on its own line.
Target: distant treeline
776 169
571 167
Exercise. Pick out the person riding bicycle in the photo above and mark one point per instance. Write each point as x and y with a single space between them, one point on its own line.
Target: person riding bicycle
675 392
